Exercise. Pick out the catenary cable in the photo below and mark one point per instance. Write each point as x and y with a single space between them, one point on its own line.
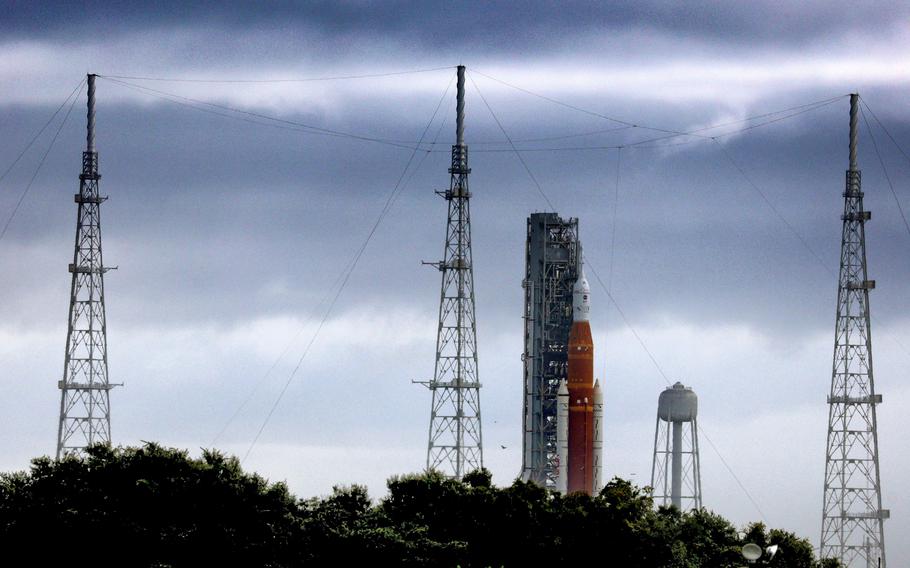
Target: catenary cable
893 141
622 314
347 274
575 108
660 370
247 115
649 143
333 286
615 218
881 161
283 80
512 144
40 164
41 130
672 133
754 186
799 235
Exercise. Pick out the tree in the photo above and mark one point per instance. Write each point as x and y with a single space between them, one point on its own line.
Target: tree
164 507
792 551
168 509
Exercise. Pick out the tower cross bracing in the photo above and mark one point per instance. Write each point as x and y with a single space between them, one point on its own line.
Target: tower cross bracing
85 412
852 513
455 440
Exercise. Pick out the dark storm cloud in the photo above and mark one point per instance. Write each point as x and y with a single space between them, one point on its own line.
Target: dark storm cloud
466 27
219 220
228 234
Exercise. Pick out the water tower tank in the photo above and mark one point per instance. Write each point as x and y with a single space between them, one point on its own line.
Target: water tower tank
677 404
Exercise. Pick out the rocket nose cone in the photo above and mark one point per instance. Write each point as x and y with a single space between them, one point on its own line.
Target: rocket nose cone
581 283
581 298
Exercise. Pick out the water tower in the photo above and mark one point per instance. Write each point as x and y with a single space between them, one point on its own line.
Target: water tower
676 470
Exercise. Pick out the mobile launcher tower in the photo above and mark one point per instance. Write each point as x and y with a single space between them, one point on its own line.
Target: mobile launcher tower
563 408
551 267
676 469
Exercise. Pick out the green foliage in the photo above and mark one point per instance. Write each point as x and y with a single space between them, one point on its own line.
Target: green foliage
167 509
793 551
163 507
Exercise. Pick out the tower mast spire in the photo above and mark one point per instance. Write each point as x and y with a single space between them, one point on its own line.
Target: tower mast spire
85 413
455 447
852 514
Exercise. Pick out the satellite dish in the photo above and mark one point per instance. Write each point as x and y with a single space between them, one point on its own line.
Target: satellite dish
771 550
751 552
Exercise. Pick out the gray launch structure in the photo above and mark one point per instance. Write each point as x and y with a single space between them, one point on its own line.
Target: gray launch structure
676 469
551 267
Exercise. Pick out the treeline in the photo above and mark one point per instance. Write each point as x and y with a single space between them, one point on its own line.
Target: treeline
154 506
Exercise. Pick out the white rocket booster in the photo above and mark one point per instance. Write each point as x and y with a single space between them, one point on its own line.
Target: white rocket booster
562 437
598 437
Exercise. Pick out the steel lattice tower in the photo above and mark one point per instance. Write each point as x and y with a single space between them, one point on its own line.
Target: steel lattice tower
85 412
455 446
852 514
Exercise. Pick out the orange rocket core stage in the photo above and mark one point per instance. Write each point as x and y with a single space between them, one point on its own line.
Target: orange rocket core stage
580 470
579 406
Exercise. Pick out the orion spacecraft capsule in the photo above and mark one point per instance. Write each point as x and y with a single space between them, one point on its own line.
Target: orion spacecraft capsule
579 414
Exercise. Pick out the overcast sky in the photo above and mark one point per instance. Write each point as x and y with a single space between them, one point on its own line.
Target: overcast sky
230 233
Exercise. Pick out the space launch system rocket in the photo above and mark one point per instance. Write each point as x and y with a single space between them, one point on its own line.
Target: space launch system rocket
579 413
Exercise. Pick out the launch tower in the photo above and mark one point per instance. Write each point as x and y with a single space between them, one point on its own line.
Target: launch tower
676 468
852 514
455 446
85 411
551 268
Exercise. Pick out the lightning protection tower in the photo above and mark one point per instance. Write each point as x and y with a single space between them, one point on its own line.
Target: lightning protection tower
852 514
455 445
676 468
551 267
85 411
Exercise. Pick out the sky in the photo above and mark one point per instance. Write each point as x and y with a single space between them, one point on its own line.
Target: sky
230 230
